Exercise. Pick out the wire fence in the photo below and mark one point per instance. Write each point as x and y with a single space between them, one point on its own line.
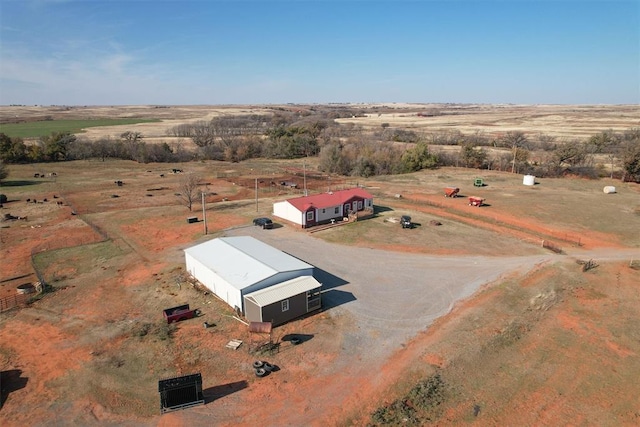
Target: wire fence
561 236
100 236
11 301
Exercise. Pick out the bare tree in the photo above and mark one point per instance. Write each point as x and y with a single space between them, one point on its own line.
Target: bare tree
571 152
4 172
188 189
515 140
133 143
130 136
202 134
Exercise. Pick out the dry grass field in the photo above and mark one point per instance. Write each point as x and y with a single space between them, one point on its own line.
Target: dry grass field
560 121
555 345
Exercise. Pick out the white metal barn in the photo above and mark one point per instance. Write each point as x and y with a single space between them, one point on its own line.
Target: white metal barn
232 267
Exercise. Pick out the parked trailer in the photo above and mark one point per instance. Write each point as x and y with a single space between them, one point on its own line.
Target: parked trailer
476 201
451 192
179 313
180 392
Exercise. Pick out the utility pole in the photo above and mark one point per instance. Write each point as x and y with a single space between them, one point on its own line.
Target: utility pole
304 176
204 213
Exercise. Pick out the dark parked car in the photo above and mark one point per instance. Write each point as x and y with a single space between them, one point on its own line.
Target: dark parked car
265 223
405 221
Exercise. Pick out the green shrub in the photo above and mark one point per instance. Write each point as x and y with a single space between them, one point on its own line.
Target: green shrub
416 407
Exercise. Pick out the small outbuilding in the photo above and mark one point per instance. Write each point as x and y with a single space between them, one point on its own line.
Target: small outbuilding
283 302
323 208
232 267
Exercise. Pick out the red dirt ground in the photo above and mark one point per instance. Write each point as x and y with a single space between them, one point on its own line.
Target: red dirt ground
45 353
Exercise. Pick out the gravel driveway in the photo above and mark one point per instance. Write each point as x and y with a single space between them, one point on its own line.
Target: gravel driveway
390 295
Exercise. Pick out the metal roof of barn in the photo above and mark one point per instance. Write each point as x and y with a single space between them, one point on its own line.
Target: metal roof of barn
283 290
243 261
330 199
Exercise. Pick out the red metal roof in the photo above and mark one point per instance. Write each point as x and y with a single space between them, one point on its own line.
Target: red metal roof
325 200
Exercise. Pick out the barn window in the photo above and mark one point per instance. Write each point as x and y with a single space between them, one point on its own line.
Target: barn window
313 299
285 305
360 205
336 210
323 210
310 216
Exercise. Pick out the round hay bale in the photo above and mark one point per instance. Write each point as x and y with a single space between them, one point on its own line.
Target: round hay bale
609 189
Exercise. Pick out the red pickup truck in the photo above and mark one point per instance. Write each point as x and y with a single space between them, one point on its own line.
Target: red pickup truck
181 312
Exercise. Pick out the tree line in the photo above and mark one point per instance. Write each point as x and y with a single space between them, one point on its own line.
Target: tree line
348 149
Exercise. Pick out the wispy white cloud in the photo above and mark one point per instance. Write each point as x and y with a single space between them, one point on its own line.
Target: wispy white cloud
116 64
63 78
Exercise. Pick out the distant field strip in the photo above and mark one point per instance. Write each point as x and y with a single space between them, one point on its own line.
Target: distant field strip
45 127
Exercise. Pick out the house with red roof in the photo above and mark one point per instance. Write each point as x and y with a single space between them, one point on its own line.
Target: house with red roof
324 208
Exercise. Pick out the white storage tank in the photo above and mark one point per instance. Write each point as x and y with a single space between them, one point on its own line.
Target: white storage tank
609 189
529 180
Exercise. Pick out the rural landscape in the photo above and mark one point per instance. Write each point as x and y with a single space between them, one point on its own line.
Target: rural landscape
518 308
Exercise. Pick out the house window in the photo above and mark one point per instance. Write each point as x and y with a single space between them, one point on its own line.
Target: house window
310 216
336 210
285 305
323 210
360 205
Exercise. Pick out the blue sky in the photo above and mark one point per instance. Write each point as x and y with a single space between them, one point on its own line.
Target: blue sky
96 52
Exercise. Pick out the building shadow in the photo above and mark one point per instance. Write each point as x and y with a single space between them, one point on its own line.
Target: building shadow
327 279
216 392
334 297
10 381
378 209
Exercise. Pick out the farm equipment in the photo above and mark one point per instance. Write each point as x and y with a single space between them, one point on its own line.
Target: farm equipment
451 192
476 201
179 313
478 182
405 221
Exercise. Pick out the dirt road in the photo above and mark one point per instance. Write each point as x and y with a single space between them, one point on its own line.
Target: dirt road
389 297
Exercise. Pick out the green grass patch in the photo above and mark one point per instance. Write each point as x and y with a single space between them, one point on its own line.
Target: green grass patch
46 127
78 259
